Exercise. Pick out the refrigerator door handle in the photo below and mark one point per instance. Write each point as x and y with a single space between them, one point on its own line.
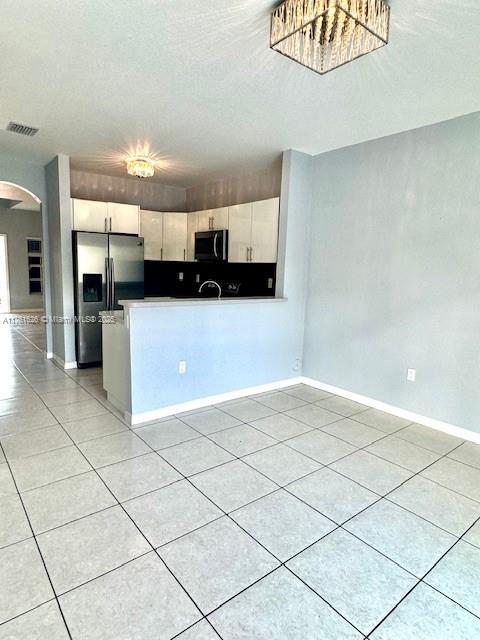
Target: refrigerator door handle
112 280
107 280
215 245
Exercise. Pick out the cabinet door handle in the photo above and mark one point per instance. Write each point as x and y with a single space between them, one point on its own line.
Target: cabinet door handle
105 225
161 253
251 254
110 224
184 254
248 248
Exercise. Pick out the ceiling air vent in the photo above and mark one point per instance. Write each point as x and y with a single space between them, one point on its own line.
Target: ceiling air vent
22 129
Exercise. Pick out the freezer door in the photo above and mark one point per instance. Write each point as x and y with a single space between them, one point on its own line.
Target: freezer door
90 267
127 268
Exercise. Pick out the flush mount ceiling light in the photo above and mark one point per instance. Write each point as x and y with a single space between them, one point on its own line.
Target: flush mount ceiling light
325 34
140 166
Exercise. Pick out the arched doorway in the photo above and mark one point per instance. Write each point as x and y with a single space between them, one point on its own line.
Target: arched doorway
22 267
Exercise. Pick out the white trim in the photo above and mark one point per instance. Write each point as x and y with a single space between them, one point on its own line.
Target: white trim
150 416
18 186
433 423
63 364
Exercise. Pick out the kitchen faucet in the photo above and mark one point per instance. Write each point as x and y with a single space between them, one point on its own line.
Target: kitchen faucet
211 282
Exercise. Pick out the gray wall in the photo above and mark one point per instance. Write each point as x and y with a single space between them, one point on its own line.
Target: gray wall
31 176
248 187
61 265
19 225
395 271
145 193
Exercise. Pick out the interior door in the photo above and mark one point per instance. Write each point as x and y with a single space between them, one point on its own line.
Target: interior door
151 230
123 218
89 215
175 230
126 268
264 230
239 232
90 263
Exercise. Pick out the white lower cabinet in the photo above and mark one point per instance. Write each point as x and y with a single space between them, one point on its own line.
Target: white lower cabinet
253 231
151 229
175 229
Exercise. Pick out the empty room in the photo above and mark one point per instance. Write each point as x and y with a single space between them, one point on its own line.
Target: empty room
239 320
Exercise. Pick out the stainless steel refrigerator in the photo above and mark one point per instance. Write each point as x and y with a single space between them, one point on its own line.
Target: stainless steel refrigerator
107 268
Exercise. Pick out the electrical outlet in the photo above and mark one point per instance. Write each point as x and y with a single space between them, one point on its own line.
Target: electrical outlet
182 367
411 375
297 365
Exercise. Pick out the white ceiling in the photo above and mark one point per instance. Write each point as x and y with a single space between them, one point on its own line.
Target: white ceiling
198 82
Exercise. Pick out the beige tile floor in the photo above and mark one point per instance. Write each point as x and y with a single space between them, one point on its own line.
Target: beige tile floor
292 515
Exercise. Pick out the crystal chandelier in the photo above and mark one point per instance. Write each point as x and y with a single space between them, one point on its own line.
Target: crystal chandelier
325 34
140 166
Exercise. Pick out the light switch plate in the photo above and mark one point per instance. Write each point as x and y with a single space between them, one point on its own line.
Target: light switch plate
182 367
411 375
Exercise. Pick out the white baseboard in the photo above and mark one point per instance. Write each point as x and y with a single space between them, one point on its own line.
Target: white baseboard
61 363
445 427
157 414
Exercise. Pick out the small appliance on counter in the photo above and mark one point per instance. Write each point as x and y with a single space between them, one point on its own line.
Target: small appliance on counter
211 246
107 268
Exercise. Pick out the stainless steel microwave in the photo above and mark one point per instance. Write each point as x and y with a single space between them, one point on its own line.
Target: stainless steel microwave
211 246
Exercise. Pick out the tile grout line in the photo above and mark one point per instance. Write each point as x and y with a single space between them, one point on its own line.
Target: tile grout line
341 526
236 457
38 550
124 510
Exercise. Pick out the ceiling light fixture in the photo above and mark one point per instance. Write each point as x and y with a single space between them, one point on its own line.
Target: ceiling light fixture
140 166
325 34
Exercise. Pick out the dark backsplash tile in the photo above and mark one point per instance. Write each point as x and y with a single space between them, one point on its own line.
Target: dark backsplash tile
183 279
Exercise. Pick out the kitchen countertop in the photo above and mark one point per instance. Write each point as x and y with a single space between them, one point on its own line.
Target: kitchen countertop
186 302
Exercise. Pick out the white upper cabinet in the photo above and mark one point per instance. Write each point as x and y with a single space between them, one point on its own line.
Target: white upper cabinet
204 220
175 230
151 229
102 217
219 218
253 231
192 228
212 219
239 232
264 230
89 215
123 218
